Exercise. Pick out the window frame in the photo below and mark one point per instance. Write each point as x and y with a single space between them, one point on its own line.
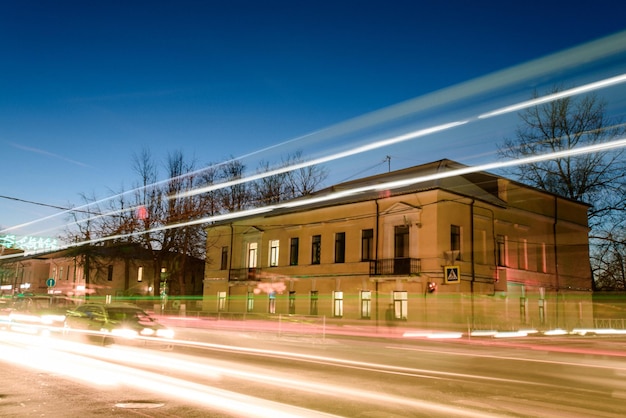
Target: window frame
316 249
367 244
340 247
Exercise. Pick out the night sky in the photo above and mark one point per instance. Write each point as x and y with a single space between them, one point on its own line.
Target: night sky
84 85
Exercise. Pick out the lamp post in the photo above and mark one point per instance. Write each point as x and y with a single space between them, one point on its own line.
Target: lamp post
163 289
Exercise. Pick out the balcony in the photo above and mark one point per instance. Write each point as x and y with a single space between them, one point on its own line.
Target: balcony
245 274
395 267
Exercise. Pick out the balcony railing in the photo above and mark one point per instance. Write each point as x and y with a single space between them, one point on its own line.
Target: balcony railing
395 267
245 274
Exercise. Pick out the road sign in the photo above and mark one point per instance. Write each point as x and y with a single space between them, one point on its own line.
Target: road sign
452 274
50 282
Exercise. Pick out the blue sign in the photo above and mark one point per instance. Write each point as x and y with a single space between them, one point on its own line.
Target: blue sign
50 282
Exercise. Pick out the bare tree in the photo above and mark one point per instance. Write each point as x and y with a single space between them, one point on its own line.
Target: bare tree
270 189
608 255
209 177
154 219
235 197
596 178
181 243
305 180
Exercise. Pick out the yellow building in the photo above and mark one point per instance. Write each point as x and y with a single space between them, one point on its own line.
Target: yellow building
119 271
437 246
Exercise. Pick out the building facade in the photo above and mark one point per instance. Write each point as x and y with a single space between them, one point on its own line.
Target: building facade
436 246
99 272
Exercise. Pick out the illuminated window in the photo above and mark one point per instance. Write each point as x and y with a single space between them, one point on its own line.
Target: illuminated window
337 304
140 274
272 302
250 302
221 301
400 304
274 253
366 304
252 250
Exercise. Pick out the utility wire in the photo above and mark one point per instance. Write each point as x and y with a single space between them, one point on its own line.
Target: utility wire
42 204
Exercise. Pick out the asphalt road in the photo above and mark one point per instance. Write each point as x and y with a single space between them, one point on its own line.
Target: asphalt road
232 373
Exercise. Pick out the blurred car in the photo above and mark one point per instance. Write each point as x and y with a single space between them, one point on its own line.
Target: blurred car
121 323
39 314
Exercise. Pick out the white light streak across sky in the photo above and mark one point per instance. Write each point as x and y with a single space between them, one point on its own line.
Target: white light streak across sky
457 107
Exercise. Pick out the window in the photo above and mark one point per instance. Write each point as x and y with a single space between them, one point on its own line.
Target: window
501 250
224 263
523 303
292 302
110 274
274 253
366 304
401 235
400 305
250 302
316 249
367 244
480 246
340 247
272 303
294 247
541 258
252 249
221 301
140 274
522 254
337 304
455 240
313 302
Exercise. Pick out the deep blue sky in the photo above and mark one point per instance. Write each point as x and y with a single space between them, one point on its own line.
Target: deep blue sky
84 84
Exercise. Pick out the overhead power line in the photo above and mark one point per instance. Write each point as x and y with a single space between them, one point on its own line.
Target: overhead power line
16 199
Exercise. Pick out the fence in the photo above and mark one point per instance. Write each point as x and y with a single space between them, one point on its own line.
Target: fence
609 323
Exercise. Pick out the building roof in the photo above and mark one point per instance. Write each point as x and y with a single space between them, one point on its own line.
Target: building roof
444 174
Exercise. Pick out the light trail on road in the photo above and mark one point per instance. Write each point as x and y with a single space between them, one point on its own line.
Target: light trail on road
113 366
223 376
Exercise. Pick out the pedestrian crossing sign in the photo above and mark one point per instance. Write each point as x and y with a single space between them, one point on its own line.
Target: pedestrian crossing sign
452 274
